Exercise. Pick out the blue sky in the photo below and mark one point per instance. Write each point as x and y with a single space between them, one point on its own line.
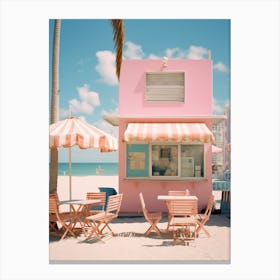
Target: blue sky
87 71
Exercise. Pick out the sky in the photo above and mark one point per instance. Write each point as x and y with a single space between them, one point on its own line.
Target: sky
88 83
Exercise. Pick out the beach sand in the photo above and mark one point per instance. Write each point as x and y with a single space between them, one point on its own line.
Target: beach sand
130 245
83 184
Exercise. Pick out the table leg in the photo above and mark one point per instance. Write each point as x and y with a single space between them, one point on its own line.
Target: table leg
77 216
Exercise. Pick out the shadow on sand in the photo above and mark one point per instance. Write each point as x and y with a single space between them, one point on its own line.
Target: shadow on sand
215 220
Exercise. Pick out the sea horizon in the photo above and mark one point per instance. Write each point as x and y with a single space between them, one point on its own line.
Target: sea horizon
89 168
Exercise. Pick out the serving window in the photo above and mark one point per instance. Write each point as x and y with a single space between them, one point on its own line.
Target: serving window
165 161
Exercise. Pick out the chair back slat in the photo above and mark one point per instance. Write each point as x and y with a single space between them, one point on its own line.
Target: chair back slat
53 204
142 200
97 195
114 203
182 207
186 192
209 206
143 205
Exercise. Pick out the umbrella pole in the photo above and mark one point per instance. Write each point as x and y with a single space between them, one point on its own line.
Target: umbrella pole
70 173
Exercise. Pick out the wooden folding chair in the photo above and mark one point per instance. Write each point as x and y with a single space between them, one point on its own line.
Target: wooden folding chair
151 218
203 218
53 224
98 207
176 193
104 218
182 219
66 219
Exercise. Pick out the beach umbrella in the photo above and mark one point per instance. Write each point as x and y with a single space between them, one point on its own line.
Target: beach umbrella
216 150
73 131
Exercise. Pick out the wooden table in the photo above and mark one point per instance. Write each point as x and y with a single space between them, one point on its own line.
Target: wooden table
78 211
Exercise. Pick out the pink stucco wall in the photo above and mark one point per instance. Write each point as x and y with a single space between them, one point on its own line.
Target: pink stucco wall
132 107
198 88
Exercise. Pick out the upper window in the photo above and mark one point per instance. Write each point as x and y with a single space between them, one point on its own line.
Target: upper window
165 87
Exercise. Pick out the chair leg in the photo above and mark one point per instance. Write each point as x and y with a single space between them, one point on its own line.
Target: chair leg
168 223
202 227
106 224
205 230
148 231
153 227
68 229
53 227
157 231
94 230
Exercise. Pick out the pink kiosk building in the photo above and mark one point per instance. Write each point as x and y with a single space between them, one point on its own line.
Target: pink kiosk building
165 122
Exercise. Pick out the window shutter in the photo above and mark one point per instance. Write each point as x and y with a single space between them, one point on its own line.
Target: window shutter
165 87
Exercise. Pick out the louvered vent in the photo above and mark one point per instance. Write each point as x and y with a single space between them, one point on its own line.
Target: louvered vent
165 87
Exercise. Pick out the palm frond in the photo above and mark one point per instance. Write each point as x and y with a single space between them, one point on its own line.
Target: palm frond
119 36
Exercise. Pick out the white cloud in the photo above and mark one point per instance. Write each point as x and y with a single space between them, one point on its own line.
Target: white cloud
90 97
133 51
219 107
176 53
80 107
106 59
219 66
63 113
106 62
153 56
197 52
88 101
106 67
105 126
83 119
193 52
114 111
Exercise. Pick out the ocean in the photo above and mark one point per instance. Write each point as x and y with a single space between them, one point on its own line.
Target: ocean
89 168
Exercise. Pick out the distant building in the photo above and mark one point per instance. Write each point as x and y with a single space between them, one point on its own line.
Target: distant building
221 132
227 140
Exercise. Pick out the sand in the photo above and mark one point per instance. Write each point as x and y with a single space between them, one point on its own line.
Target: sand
83 184
130 245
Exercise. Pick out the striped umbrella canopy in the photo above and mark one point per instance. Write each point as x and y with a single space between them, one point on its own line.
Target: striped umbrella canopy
73 131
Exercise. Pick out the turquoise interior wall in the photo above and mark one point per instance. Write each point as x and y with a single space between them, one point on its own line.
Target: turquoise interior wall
130 148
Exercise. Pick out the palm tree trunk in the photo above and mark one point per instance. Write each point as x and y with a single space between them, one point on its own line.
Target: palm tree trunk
55 104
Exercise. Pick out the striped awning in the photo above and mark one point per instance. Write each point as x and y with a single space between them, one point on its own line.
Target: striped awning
168 132
73 131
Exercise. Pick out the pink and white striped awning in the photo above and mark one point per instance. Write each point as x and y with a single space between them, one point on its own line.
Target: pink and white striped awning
168 132
73 131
